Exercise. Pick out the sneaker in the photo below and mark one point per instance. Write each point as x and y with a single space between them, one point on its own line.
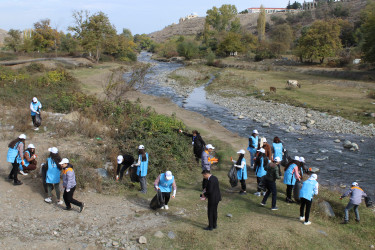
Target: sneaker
17 183
48 200
344 222
67 208
307 223
357 220
257 193
23 173
242 192
82 207
36 129
302 218
263 204
163 207
264 193
60 202
166 207
275 208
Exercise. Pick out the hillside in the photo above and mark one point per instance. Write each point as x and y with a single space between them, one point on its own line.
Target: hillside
3 34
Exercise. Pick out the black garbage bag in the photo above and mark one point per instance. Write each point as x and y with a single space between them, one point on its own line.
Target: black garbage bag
368 202
232 174
262 184
296 190
157 201
133 174
38 120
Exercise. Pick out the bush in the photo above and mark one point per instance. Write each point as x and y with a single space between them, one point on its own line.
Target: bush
371 94
35 67
189 50
210 58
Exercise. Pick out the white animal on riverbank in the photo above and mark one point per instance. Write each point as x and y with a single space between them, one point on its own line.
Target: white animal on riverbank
292 84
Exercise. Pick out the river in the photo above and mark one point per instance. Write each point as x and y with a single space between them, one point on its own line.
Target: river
338 166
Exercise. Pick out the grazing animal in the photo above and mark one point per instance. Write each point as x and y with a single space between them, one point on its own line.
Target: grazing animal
293 84
273 89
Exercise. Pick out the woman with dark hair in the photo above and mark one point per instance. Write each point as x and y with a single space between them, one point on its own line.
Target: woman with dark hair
277 148
142 166
260 164
15 156
29 159
52 170
240 164
291 175
253 146
197 142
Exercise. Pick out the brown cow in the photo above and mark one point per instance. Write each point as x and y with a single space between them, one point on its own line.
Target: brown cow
273 89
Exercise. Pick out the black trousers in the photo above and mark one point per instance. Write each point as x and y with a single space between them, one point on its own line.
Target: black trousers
307 203
204 183
271 188
33 119
259 180
123 168
14 172
212 215
243 185
68 198
289 190
166 196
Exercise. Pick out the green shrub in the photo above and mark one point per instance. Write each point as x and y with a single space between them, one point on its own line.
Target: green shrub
35 67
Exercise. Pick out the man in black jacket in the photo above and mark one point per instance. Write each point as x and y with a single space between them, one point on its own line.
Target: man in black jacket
212 193
123 163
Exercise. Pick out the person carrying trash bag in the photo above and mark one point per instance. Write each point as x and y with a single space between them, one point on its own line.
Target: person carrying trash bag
142 166
253 146
29 160
69 185
52 175
291 175
165 182
15 156
35 107
260 163
240 165
310 187
123 163
356 194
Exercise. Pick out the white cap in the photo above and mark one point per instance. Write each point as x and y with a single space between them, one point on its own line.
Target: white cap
141 147
262 150
355 184
241 152
35 99
22 136
53 150
120 158
168 175
302 159
255 131
31 146
264 139
209 146
314 176
63 161
296 158
277 159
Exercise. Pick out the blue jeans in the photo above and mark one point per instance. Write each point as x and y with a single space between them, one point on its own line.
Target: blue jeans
348 207
252 151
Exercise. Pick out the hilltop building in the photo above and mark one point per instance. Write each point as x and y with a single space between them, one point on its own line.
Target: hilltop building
314 3
191 16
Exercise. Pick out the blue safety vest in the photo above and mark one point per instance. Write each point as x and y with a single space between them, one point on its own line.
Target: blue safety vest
26 163
142 168
260 169
254 143
35 107
289 178
164 184
53 172
242 172
277 150
13 153
307 190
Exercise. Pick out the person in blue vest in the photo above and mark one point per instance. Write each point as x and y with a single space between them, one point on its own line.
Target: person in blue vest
142 166
240 164
277 148
15 156
29 160
253 146
260 163
165 182
53 171
35 107
309 188
291 175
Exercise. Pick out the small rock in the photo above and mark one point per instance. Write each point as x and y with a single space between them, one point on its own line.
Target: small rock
342 186
115 243
355 146
265 125
322 232
241 117
327 209
372 246
337 141
157 213
309 115
362 140
347 144
142 240
303 128
158 234
322 159
55 233
171 235
102 172
229 215
312 122
218 121
291 128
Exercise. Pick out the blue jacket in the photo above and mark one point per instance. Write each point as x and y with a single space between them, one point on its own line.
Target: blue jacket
13 154
260 171
142 168
277 150
53 172
309 189
242 172
164 184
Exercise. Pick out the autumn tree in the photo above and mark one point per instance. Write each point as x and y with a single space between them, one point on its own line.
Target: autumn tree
221 18
261 24
14 40
231 43
282 38
44 36
320 40
368 33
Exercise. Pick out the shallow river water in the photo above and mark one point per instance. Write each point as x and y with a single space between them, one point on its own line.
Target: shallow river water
338 166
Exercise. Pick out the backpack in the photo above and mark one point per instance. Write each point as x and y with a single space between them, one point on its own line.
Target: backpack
232 174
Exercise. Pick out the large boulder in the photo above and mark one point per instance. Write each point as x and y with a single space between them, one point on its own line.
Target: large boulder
326 208
102 172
